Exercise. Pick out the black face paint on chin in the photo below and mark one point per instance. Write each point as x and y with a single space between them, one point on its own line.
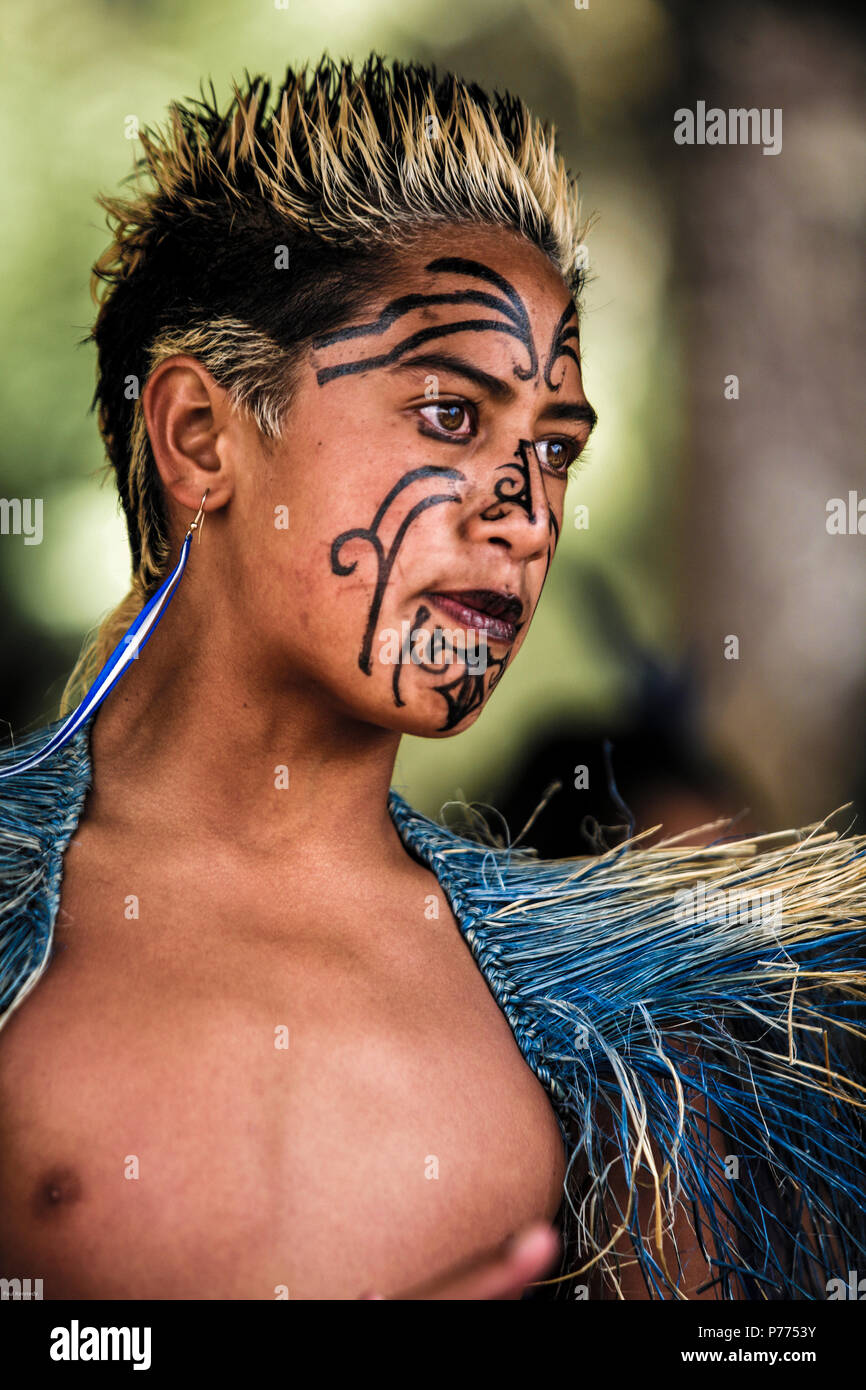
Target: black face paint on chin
515 321
466 693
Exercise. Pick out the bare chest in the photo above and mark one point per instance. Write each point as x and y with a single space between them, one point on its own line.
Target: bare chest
251 1087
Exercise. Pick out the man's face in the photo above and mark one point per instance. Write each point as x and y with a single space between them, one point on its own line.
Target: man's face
424 467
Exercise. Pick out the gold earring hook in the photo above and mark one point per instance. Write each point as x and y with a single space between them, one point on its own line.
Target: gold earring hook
198 524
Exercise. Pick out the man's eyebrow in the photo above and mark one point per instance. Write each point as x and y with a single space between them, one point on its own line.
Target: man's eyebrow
445 362
561 410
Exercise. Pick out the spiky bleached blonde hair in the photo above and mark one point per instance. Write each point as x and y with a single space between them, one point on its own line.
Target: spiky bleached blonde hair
342 170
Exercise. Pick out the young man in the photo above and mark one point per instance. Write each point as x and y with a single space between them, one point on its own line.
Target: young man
342 333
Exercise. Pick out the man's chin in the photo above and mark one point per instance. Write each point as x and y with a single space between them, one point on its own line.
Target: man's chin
422 719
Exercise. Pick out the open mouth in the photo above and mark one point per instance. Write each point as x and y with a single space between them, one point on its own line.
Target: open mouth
484 610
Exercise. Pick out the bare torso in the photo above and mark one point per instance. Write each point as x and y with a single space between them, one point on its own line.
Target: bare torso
159 1140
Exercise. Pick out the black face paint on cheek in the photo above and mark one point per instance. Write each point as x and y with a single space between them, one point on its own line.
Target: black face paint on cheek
514 491
385 561
564 333
422 613
511 306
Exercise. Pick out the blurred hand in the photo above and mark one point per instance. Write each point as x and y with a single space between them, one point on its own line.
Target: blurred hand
499 1274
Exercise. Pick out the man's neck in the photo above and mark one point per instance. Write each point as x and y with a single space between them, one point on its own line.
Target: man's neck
188 741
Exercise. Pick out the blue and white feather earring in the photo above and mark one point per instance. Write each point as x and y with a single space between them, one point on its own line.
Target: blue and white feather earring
130 644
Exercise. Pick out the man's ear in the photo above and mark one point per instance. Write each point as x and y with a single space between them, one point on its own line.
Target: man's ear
185 412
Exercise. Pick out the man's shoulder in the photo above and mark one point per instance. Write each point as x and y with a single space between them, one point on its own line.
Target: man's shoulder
38 794
40 804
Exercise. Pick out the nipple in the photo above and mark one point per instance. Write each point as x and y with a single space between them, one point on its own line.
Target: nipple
57 1189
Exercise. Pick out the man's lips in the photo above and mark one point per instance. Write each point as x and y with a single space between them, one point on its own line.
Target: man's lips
485 610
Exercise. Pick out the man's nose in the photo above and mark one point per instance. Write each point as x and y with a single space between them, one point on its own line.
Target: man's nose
511 509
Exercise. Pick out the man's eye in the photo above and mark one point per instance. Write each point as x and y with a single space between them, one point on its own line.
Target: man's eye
449 417
556 454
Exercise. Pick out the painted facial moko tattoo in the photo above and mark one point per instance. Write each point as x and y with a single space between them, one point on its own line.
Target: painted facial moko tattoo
385 559
463 678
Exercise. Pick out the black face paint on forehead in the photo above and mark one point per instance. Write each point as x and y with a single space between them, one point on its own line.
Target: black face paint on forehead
563 334
515 321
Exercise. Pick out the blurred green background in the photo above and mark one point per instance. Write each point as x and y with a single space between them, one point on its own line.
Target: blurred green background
706 515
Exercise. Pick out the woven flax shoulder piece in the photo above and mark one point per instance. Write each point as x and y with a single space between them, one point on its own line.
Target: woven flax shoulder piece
697 1016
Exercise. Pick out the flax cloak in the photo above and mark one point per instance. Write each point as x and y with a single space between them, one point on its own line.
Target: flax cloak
647 992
